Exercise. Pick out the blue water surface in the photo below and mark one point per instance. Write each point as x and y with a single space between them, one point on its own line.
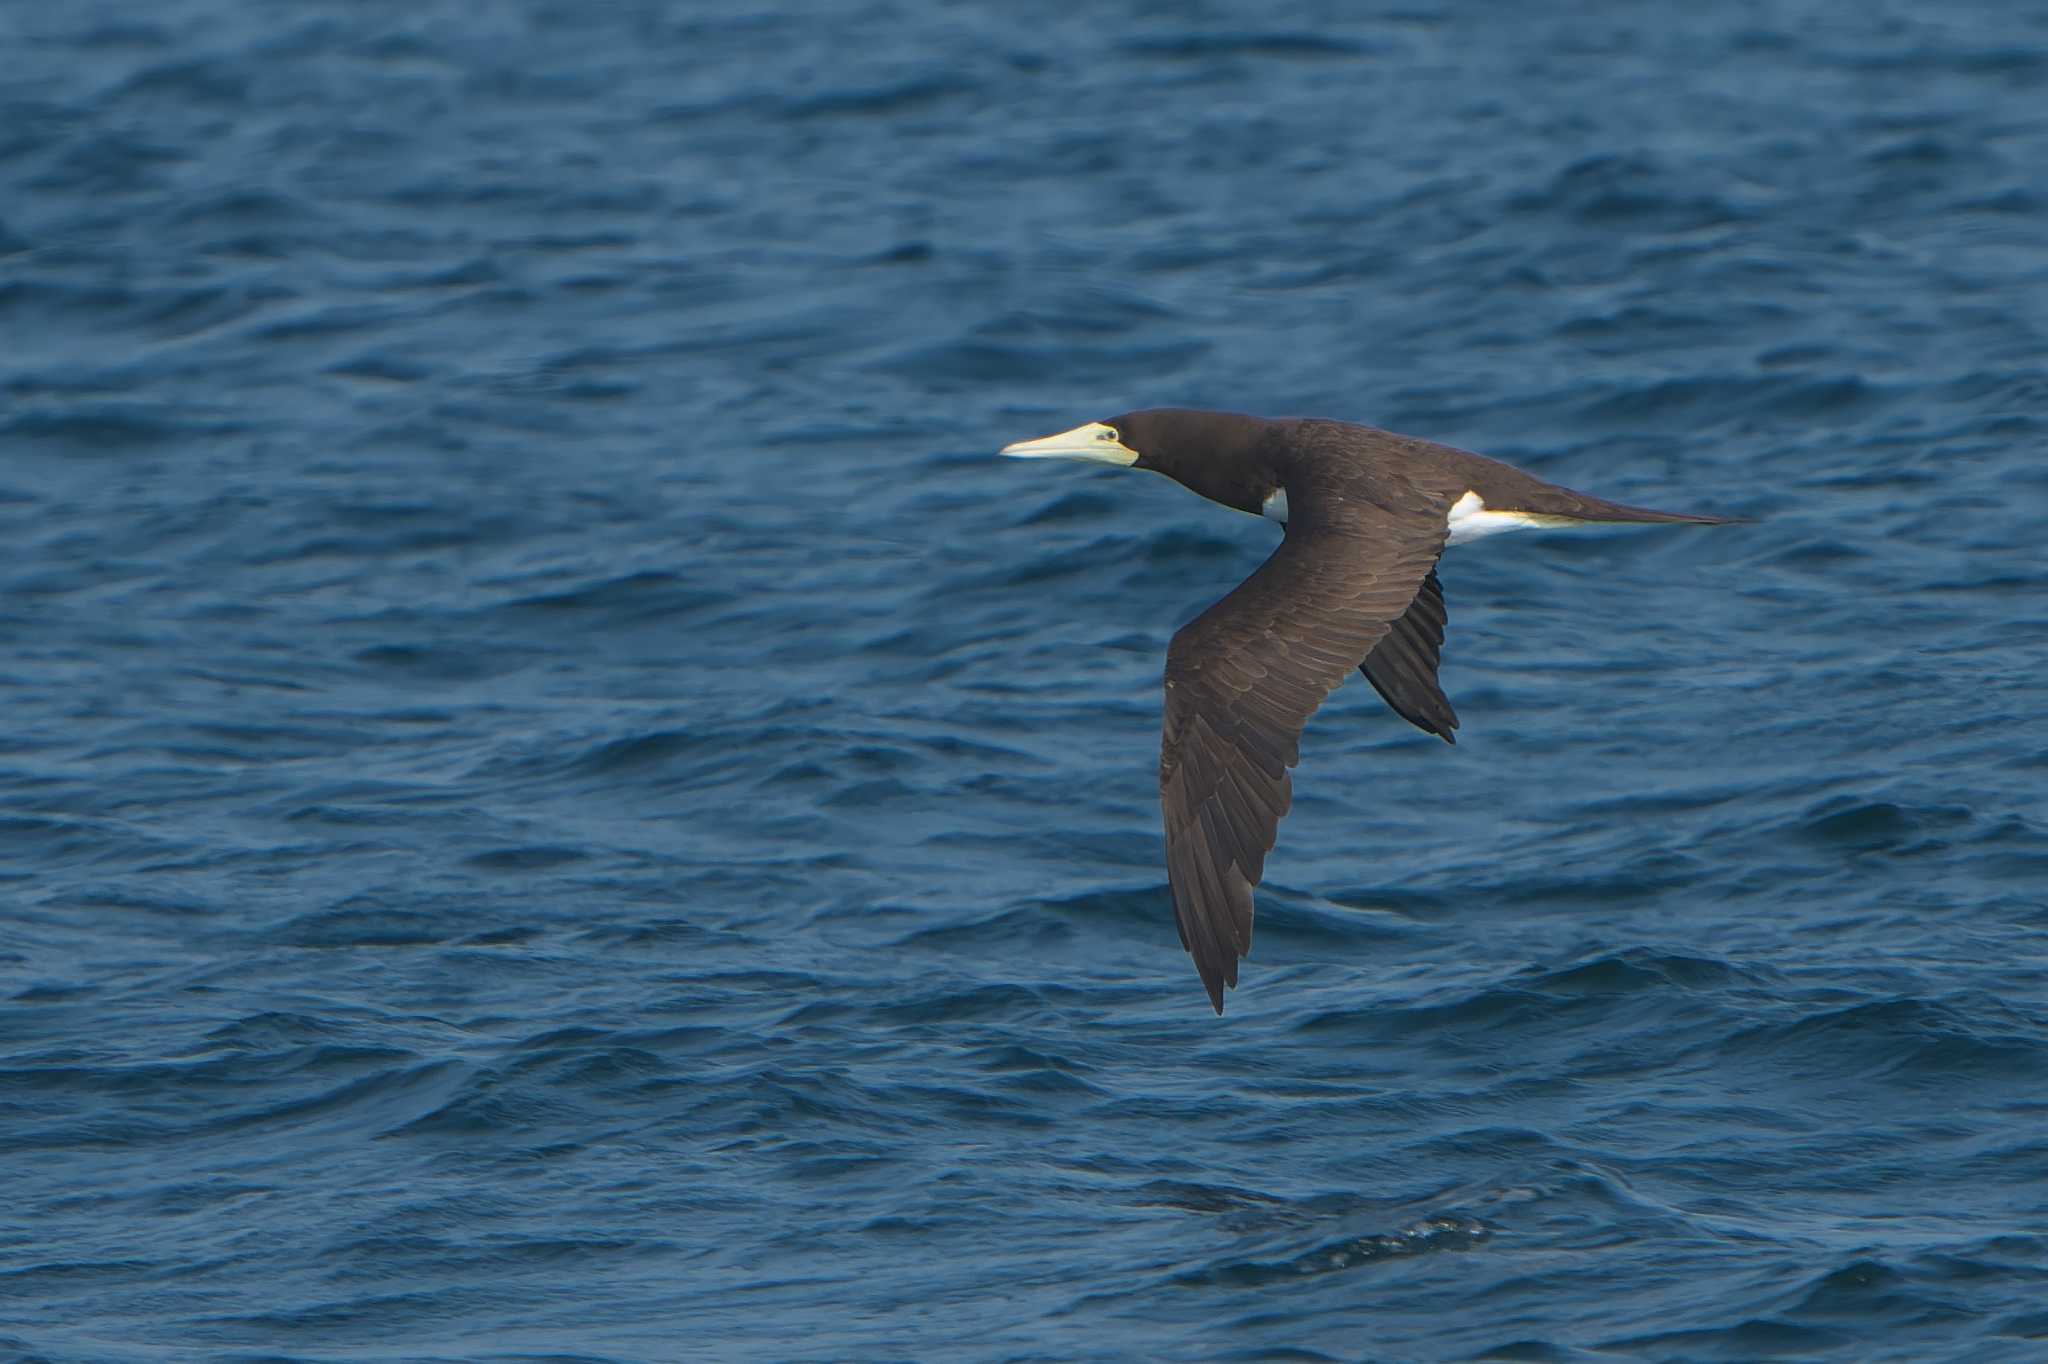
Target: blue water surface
558 803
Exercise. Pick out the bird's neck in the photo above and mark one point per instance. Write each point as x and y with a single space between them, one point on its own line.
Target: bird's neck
1233 463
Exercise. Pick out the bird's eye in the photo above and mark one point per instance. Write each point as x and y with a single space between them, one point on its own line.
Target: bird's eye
1109 434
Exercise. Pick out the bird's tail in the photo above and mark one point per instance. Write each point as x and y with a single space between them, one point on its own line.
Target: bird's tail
1516 495
1568 505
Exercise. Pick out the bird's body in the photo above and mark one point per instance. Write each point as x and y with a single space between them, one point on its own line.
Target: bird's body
1352 585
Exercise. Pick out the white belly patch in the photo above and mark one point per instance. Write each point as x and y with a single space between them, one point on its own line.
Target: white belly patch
1470 520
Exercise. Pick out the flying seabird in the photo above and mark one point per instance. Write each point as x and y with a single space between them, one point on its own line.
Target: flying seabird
1353 585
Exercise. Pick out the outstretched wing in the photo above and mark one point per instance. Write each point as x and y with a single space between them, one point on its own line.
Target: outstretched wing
1241 681
1402 667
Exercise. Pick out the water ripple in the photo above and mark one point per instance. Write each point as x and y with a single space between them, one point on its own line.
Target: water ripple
553 788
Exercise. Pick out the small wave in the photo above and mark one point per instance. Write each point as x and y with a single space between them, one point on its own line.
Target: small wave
1071 507
1586 995
1426 1236
901 97
384 1257
952 1004
273 1029
636 752
391 1091
1193 1197
111 428
1626 191
1841 1303
1190 46
1861 1290
1878 825
631 598
1028 1070
319 324
1636 970
382 367
434 663
1902 1039
951 366
366 926
1709 402
1749 1340
208 84
486 1107
526 859
1037 927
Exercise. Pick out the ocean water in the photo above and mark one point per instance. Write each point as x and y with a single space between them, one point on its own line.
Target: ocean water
559 804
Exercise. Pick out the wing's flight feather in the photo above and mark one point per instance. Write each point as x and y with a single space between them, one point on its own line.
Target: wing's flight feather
1402 667
1244 677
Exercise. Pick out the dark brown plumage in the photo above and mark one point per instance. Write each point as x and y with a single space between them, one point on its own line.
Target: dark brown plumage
1353 585
1402 667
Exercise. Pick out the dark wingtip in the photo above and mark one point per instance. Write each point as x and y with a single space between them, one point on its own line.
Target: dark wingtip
1448 737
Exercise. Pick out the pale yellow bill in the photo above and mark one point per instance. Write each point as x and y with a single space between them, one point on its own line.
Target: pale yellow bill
1094 441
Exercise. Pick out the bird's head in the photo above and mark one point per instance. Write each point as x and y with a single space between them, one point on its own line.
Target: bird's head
1217 454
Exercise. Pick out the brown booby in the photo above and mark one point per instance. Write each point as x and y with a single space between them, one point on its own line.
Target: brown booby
1352 585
